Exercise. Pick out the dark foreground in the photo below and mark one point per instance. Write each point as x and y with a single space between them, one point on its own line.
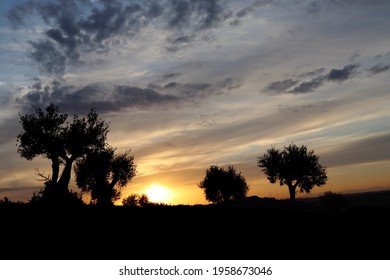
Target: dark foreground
193 232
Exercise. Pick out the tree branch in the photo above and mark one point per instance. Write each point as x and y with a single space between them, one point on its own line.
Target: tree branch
42 175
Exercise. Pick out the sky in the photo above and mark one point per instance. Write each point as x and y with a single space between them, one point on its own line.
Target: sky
189 84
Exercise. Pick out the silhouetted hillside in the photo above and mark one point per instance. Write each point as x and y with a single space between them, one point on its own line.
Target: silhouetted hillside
373 199
254 228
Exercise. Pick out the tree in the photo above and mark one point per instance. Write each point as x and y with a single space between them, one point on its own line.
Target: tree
295 167
221 185
136 200
104 174
47 133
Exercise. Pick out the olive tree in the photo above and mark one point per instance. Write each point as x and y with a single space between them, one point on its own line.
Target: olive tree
103 174
294 166
136 200
47 133
222 185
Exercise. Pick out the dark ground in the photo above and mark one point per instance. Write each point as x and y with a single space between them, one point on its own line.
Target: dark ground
253 230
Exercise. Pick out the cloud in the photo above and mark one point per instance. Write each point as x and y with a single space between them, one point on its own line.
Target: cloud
51 59
371 149
354 56
15 189
74 29
281 86
8 130
106 97
341 75
191 91
378 69
240 138
177 41
169 76
378 56
61 41
313 7
6 92
308 108
334 75
18 13
246 11
315 72
103 97
190 18
228 83
198 14
306 87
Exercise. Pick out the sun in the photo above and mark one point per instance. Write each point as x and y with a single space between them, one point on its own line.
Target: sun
157 193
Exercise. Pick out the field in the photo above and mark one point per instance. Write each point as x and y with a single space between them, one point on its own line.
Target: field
254 230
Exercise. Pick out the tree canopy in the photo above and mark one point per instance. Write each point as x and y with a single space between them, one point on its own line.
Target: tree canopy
136 200
294 166
47 133
222 185
103 174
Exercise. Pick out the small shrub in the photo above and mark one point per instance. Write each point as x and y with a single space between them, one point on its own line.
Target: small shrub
136 200
47 196
333 202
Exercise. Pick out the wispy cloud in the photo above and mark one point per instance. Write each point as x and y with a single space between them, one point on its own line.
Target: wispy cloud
306 87
334 75
281 86
372 148
378 69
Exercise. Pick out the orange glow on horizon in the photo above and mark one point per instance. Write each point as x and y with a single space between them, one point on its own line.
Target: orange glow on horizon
181 188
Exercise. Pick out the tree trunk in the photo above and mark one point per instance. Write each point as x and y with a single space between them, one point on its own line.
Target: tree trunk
64 180
103 197
291 189
55 167
113 181
104 201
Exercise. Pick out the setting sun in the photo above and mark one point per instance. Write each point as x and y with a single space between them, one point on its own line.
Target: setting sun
157 193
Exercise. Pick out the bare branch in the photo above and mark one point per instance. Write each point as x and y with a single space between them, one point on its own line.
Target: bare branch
42 175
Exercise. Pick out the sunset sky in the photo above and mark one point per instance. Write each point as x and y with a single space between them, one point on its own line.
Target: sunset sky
189 84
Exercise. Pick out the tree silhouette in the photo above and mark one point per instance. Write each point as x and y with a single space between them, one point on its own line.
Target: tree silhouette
47 133
136 200
295 167
221 185
103 174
